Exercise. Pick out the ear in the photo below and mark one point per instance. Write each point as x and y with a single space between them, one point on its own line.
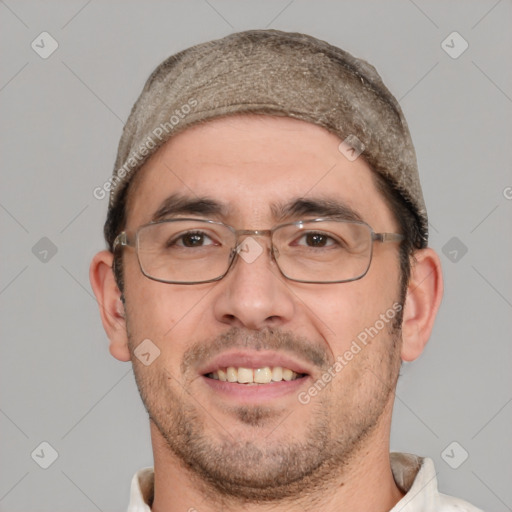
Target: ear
424 294
111 306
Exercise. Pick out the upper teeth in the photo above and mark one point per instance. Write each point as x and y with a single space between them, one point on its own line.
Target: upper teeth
258 375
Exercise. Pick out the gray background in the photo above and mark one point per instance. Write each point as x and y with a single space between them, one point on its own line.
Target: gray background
61 119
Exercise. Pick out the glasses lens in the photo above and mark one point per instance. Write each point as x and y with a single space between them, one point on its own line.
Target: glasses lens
184 251
323 251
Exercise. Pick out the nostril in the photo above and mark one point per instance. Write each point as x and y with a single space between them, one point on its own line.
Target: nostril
273 319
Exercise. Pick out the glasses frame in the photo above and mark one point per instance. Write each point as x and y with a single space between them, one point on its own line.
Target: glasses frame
124 239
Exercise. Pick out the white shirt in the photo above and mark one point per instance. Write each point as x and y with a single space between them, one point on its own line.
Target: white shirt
414 475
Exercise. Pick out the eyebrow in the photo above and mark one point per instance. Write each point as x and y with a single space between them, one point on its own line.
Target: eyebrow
177 204
317 207
294 209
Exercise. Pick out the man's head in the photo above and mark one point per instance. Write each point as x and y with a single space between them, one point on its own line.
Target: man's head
281 74
253 154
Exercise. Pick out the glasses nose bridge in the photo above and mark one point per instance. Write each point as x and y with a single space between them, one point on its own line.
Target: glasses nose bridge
253 232
249 233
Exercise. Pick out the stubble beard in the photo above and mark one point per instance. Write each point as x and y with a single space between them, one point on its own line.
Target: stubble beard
262 469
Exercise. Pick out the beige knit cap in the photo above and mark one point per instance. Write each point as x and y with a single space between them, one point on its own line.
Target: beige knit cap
280 74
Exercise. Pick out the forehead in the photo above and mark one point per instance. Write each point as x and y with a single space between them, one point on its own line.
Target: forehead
252 167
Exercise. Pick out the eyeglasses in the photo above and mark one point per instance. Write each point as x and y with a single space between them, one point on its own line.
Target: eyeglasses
193 251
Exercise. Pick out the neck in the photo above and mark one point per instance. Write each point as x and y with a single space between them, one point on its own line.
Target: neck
178 488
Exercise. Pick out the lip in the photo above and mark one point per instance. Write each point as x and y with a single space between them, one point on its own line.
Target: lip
256 393
254 359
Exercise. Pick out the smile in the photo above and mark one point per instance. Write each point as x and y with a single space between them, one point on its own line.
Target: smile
264 375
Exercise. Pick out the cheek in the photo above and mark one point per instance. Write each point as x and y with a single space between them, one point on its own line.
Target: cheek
169 315
340 313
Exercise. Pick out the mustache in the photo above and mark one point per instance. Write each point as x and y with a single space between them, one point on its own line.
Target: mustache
268 339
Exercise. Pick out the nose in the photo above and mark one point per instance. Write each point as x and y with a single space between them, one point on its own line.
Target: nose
254 294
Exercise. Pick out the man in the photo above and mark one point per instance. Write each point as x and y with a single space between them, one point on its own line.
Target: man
267 272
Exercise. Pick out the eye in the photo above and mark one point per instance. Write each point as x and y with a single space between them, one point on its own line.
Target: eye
192 239
315 240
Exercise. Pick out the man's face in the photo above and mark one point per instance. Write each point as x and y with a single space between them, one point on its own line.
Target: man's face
239 437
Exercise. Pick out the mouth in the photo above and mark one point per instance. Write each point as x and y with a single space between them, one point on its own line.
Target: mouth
255 376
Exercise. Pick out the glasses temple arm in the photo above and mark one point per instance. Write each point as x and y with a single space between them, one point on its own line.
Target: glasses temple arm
121 240
388 237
